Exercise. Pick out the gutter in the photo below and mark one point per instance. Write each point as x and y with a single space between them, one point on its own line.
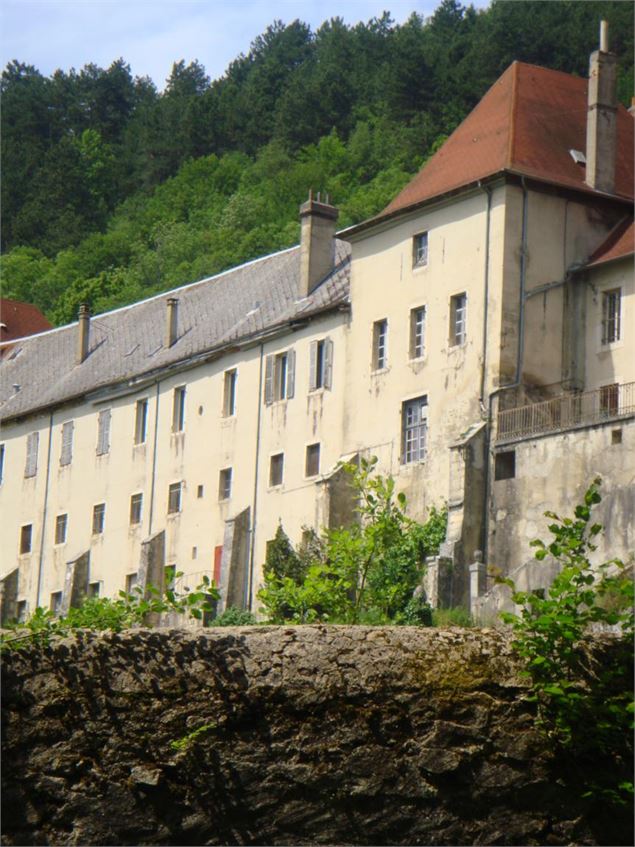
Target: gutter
44 510
488 192
252 546
154 457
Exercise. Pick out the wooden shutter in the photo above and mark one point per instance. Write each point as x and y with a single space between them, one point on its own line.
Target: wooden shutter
103 434
290 373
67 443
32 443
313 366
328 363
269 380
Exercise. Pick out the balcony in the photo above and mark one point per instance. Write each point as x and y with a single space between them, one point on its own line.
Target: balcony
569 411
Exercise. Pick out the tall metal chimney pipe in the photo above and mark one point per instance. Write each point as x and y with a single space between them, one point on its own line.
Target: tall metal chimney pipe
83 332
172 321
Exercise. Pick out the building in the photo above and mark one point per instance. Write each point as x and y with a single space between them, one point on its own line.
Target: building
477 336
19 319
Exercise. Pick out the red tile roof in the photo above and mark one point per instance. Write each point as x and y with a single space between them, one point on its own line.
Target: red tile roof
20 319
619 244
526 124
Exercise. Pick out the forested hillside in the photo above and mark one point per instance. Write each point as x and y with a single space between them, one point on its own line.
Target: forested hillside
112 191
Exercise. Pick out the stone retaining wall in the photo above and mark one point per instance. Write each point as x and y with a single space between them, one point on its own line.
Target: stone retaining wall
283 735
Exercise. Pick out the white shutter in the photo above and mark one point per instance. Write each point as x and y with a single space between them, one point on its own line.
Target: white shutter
328 363
32 443
67 443
313 365
290 373
103 432
269 380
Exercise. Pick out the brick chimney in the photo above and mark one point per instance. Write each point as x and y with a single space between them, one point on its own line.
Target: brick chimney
601 128
317 242
83 332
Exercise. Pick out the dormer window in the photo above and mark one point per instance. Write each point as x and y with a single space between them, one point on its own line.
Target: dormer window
420 250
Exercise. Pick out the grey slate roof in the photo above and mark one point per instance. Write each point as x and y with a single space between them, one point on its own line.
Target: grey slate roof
128 343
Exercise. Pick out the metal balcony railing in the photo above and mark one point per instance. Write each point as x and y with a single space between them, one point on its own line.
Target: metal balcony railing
567 412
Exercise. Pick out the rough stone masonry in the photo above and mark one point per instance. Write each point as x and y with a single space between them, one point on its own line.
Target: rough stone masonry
283 735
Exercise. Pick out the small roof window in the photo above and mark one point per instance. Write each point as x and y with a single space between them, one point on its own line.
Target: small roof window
578 157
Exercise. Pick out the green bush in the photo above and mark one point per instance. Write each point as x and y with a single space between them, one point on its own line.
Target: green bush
233 616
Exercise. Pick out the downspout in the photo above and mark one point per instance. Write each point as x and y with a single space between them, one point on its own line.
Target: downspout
44 509
488 191
517 379
252 546
154 458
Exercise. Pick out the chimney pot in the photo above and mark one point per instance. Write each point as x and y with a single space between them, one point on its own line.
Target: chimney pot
317 243
604 36
172 321
83 332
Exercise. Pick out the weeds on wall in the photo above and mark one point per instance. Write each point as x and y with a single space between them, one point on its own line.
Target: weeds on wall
103 613
583 706
365 573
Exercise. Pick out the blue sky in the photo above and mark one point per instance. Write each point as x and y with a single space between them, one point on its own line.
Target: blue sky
151 34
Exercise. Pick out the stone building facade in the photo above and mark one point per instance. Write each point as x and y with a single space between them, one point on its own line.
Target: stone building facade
477 336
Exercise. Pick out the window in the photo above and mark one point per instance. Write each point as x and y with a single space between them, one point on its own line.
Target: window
312 461
420 250
174 498
225 484
141 422
611 315
280 377
458 320
32 443
178 409
414 426
56 602
61 523
505 465
103 432
200 491
1 463
609 399
94 589
21 611
616 436
276 469
417 332
132 580
26 537
321 364
136 503
99 515
380 345
66 453
229 393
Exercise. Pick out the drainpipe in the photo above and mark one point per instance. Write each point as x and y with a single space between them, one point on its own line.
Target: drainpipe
252 550
488 192
154 457
44 510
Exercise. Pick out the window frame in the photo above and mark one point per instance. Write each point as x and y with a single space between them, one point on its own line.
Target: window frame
414 433
321 364
225 481
26 539
380 345
230 380
611 317
61 528
418 332
312 457
103 432
136 506
420 244
178 409
279 376
99 519
141 422
276 463
458 319
66 451
175 495
609 400
55 603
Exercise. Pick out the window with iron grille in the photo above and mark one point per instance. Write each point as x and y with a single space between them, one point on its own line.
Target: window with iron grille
380 345
312 462
417 332
32 444
103 432
66 454
458 319
225 484
99 515
414 425
229 393
174 498
611 315
26 538
178 409
276 469
420 250
609 399
136 503
141 421
61 524
321 364
279 377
